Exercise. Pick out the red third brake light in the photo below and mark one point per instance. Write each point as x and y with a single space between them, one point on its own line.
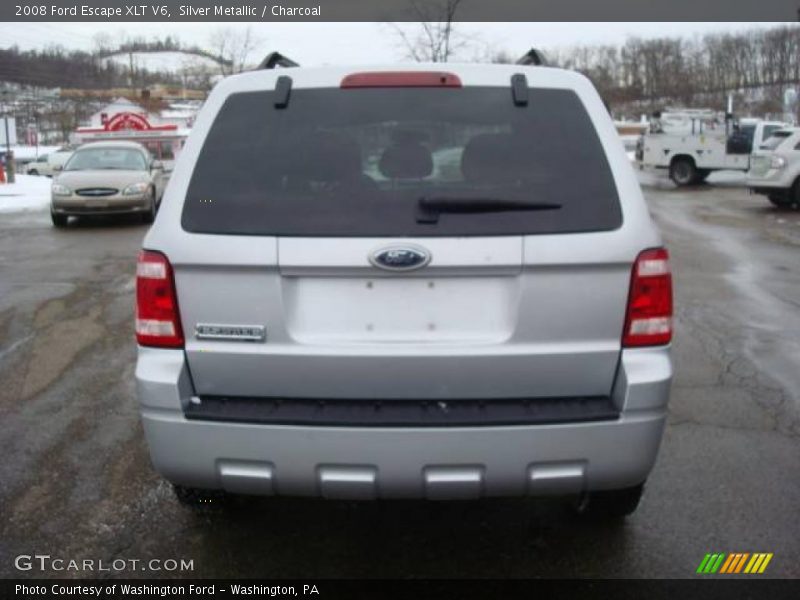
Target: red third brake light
649 318
377 79
157 319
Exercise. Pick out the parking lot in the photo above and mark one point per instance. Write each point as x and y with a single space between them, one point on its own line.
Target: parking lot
75 479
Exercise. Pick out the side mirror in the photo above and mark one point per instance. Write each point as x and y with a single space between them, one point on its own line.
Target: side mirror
58 167
157 165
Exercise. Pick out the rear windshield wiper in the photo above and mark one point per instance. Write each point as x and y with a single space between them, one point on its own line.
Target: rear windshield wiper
429 208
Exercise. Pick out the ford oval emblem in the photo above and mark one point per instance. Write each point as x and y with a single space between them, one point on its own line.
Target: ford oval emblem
400 258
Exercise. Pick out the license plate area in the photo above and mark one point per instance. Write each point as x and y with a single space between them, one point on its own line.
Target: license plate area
96 203
400 310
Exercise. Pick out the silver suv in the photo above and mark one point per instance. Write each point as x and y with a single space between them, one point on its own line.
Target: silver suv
405 283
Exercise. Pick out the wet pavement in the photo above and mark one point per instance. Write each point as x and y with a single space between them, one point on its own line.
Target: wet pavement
76 483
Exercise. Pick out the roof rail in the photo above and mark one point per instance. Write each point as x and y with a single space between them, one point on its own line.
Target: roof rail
276 59
533 57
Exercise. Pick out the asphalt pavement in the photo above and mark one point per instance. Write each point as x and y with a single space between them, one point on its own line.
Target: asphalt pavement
76 482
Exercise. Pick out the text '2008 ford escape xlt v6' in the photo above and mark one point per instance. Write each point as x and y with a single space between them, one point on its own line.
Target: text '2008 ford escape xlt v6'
405 283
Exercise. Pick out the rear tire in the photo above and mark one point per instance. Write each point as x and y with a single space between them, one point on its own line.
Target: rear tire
789 198
682 171
779 200
794 195
197 497
609 505
33 172
59 221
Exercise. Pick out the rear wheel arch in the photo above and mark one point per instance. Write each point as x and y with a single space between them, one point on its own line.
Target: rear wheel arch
679 157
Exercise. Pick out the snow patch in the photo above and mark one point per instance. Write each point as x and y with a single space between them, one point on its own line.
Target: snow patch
28 193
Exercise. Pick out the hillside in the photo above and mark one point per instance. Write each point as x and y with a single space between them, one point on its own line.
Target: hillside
57 67
194 71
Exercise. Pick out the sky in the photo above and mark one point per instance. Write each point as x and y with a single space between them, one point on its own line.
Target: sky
353 43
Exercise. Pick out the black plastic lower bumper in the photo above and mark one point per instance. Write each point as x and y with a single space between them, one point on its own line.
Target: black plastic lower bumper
401 413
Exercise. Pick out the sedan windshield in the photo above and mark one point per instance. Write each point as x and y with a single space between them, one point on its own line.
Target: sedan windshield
107 158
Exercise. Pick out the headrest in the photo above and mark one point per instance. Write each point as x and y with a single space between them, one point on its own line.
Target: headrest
490 158
406 160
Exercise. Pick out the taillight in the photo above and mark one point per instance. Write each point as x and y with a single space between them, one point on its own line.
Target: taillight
157 320
649 318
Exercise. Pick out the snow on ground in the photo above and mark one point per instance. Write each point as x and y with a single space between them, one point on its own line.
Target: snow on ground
28 193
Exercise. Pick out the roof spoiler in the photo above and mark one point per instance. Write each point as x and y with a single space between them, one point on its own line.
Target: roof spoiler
533 57
276 59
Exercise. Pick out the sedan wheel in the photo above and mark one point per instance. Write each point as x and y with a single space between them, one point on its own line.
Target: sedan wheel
59 221
150 215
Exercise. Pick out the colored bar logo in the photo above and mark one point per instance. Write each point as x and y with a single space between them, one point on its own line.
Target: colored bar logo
734 563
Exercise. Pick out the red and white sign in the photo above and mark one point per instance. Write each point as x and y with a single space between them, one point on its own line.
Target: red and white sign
126 121
163 141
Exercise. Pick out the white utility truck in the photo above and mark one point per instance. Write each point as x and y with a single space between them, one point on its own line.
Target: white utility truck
693 143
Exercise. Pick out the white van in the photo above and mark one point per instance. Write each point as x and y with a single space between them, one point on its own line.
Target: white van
49 164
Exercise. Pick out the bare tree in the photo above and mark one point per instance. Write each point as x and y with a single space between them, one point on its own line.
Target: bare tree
756 66
434 38
233 48
490 53
501 57
103 42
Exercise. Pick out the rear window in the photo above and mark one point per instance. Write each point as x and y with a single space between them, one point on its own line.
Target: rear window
775 140
770 129
357 162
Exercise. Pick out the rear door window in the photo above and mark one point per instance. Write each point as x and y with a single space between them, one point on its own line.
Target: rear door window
357 162
775 140
769 130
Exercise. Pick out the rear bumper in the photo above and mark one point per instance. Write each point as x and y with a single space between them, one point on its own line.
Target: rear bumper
405 462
